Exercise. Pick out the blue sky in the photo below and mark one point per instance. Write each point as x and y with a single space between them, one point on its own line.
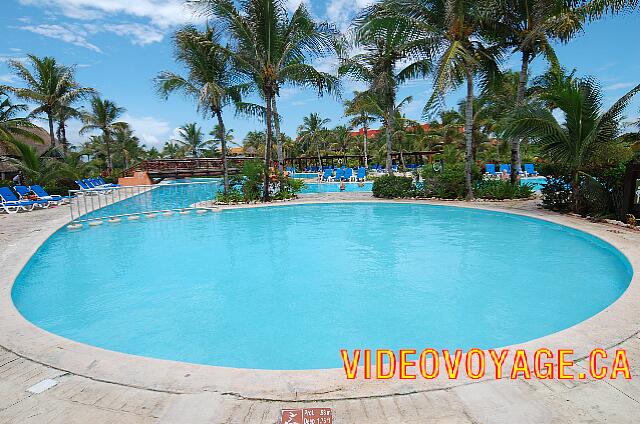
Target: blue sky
120 45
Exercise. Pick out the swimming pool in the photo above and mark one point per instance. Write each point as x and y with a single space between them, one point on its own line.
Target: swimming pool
536 183
335 187
286 287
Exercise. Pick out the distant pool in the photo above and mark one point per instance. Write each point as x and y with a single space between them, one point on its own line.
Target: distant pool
305 175
286 287
536 183
335 187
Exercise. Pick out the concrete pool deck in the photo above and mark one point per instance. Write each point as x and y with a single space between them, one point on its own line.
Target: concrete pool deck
103 386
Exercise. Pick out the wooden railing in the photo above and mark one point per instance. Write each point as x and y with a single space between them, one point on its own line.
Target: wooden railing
187 167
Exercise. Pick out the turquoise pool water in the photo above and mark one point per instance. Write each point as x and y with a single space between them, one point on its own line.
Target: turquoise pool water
536 183
286 287
335 187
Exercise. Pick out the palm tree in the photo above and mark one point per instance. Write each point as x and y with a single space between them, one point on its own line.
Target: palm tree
571 141
455 30
127 145
311 132
40 169
192 139
104 117
51 86
12 125
385 49
210 78
172 150
364 110
272 48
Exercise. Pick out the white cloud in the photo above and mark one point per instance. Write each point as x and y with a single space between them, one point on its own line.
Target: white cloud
7 78
342 11
150 130
140 34
68 33
162 13
619 86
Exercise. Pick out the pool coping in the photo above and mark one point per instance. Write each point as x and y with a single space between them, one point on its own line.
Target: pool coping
607 329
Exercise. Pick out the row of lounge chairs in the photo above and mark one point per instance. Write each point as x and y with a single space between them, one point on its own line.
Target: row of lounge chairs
26 198
344 174
529 170
95 185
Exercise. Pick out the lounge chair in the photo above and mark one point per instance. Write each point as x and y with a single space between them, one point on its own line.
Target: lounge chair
11 204
339 175
42 194
505 167
24 192
87 189
348 174
362 173
490 169
105 184
530 170
328 175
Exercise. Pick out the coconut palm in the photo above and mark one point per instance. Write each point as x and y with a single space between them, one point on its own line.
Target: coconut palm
191 139
312 131
456 32
11 125
272 48
103 116
127 146
381 66
49 85
364 109
210 78
583 129
172 150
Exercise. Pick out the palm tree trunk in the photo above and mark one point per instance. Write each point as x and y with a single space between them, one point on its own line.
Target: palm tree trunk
515 142
267 149
468 135
276 125
63 132
52 137
107 136
388 129
223 144
366 139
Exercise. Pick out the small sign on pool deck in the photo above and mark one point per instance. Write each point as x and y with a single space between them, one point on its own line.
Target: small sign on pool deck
306 416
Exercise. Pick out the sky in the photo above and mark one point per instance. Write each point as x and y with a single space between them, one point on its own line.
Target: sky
119 46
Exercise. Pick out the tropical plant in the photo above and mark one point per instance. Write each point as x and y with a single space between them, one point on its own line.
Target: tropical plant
363 109
51 86
210 79
312 131
456 31
11 125
127 146
103 116
271 48
191 139
44 170
172 150
381 67
571 142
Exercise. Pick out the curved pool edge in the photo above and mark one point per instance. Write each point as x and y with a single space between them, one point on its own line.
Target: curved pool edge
610 327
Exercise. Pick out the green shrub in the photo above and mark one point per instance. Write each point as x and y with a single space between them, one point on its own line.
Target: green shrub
449 183
233 196
392 186
288 187
556 194
501 189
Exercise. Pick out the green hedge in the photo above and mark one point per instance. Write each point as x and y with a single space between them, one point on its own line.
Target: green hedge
391 186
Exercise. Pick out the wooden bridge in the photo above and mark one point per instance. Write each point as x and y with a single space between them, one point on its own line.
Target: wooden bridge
159 169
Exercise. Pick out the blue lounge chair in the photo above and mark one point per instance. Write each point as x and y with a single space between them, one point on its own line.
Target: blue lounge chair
11 204
505 167
348 174
90 189
362 173
42 194
490 169
24 192
530 170
101 181
328 175
339 175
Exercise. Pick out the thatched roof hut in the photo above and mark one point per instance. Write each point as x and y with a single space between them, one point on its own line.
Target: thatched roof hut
6 168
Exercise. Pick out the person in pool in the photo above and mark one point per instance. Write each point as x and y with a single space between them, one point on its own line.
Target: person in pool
343 186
